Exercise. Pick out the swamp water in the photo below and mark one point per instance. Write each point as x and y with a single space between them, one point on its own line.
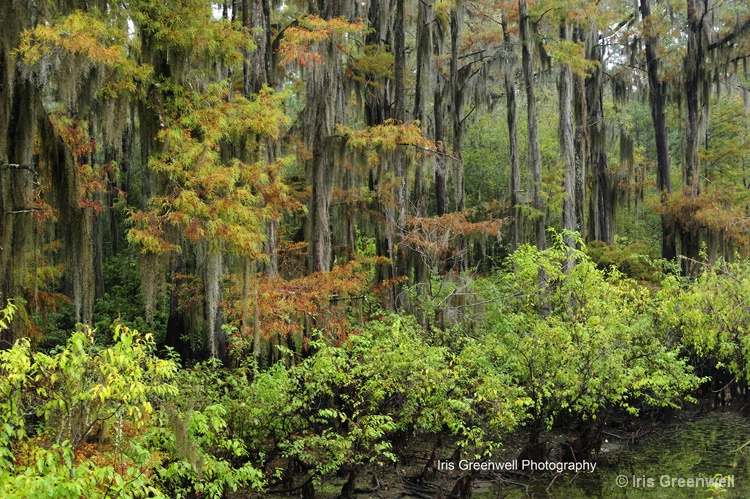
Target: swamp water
652 467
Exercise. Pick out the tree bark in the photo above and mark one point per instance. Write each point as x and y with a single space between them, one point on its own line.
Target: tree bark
661 139
401 176
695 77
17 128
215 337
602 202
581 141
509 80
567 146
457 105
534 158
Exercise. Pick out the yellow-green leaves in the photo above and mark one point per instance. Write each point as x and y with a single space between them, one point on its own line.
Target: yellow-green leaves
213 192
598 346
79 390
82 40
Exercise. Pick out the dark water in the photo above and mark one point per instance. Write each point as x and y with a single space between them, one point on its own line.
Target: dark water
653 466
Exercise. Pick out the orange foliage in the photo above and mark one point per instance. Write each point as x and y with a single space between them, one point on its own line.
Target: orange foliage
300 41
94 177
437 239
713 209
320 300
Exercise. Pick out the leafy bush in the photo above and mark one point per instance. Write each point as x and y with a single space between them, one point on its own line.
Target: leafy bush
80 394
710 315
581 342
201 455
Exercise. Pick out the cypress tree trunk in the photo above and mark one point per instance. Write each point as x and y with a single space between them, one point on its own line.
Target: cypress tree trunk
661 139
457 111
17 171
421 189
440 167
401 177
509 80
567 146
534 159
580 140
321 167
695 76
257 66
439 132
216 340
457 105
377 104
324 107
602 202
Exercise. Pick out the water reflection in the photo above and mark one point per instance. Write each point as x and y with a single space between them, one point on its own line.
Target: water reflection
654 466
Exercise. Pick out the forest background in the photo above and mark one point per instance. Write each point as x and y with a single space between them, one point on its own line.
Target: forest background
547 201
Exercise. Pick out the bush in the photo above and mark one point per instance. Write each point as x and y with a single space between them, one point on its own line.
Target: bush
579 342
90 405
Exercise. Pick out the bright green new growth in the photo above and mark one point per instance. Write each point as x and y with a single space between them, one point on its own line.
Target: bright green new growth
599 347
81 392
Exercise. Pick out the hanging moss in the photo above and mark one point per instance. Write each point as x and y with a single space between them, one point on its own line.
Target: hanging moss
215 339
17 171
75 222
149 265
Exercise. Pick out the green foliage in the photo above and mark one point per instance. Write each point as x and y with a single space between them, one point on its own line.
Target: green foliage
341 407
593 346
633 259
710 316
78 392
201 454
346 411
212 196
363 394
123 302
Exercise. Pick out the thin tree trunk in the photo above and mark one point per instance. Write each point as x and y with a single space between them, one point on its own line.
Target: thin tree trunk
658 119
567 146
439 132
581 141
602 203
215 337
321 173
533 153
401 177
695 75
440 167
421 188
509 79
457 111
457 108
534 158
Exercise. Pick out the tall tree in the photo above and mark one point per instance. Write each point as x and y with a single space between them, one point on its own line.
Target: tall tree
457 92
696 80
602 202
509 80
533 152
659 121
566 141
17 171
324 108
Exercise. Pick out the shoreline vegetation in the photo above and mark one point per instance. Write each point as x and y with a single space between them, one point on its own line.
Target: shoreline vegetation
124 415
